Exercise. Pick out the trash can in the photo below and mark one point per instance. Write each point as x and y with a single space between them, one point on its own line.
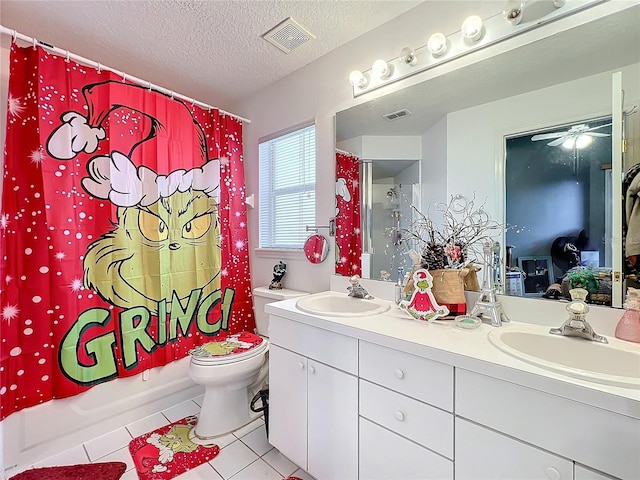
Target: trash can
263 397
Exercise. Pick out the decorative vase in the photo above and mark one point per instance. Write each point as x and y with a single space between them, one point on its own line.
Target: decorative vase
628 327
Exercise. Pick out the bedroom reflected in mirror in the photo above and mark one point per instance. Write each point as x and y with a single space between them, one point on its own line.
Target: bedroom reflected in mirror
558 201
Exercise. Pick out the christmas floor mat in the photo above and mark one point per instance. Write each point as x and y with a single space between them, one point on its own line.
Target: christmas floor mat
94 471
167 452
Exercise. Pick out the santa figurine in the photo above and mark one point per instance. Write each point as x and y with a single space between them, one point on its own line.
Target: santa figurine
422 304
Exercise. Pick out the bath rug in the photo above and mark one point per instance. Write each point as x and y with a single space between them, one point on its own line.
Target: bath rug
94 471
167 452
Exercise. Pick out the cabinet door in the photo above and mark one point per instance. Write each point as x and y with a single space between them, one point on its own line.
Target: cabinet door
333 423
482 454
288 404
387 456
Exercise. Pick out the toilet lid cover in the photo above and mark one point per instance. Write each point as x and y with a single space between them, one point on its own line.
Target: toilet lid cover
238 346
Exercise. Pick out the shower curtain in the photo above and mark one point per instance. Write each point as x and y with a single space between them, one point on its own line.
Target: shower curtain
123 230
348 235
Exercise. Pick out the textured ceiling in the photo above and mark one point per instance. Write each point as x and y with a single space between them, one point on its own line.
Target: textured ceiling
208 50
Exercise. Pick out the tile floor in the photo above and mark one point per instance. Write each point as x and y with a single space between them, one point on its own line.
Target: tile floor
244 454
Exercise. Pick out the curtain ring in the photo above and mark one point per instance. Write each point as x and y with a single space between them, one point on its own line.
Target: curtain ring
99 68
171 94
35 43
124 77
14 36
67 59
193 103
149 86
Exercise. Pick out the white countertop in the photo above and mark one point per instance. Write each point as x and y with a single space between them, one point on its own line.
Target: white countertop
468 349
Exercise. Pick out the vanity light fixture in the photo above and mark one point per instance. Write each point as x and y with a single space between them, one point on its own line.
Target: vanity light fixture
438 44
408 56
472 29
357 79
475 34
381 69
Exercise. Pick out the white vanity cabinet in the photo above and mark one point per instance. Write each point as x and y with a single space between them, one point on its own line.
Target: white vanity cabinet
313 398
406 424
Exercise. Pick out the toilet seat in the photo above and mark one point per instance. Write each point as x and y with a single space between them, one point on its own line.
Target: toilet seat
231 349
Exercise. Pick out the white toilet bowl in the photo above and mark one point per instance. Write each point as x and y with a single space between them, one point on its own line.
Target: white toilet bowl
232 374
229 380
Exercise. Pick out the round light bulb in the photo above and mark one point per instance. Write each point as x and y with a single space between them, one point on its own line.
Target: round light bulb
569 143
513 11
472 28
381 69
437 44
357 79
583 141
409 56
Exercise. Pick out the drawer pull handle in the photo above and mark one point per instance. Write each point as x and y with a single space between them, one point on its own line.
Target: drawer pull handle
552 473
312 370
301 365
398 373
399 416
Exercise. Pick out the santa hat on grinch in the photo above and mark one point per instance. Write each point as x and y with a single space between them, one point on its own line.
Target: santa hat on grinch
116 177
421 275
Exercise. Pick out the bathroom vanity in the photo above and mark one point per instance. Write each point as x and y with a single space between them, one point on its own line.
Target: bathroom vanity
388 397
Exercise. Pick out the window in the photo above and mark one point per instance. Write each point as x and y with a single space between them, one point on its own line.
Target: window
287 188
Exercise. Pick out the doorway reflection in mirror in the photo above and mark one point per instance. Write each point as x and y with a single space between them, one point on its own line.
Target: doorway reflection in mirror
558 184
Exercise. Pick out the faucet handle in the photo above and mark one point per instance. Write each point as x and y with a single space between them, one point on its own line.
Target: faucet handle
578 308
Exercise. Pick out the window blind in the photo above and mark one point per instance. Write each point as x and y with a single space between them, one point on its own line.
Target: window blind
287 188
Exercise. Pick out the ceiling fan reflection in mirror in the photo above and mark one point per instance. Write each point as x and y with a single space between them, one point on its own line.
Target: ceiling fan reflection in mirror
578 136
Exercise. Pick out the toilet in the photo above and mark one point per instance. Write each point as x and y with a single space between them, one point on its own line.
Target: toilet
232 370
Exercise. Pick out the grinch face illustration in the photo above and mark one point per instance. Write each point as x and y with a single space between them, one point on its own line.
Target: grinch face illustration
166 240
171 246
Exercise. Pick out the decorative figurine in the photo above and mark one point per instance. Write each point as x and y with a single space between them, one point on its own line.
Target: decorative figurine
422 304
279 270
487 305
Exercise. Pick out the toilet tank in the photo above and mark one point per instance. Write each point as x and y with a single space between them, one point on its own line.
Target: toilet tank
262 296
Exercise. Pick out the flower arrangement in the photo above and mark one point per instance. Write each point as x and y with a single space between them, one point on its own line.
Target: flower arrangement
455 239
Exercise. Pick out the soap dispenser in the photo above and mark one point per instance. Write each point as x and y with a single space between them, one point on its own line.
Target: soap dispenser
628 327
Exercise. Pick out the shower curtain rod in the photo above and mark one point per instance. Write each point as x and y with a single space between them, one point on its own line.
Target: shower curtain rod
98 66
346 153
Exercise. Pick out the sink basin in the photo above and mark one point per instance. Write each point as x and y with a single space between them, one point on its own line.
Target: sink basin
616 363
337 304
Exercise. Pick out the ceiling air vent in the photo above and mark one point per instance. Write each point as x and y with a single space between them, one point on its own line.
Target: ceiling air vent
397 114
288 35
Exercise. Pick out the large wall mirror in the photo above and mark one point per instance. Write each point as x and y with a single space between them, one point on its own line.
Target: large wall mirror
466 125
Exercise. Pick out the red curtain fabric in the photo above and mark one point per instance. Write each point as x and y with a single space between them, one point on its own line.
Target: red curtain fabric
123 230
348 235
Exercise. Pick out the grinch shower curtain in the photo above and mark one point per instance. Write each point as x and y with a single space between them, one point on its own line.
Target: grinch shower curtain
348 236
123 230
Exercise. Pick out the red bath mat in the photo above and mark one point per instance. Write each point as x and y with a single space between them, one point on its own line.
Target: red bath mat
94 471
167 452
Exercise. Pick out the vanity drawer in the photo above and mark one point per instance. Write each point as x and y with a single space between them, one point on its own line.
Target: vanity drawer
387 456
417 377
324 346
600 439
422 423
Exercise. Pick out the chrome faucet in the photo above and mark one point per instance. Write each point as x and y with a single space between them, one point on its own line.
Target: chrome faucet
356 290
576 325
